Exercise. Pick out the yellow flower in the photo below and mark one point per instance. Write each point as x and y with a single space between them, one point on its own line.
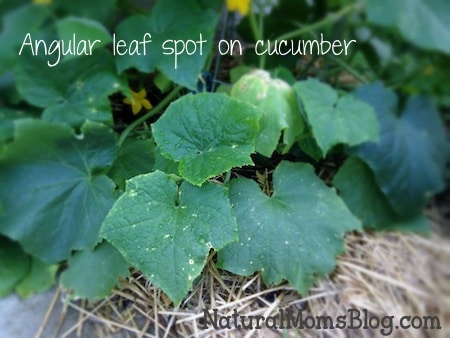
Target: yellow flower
42 2
242 6
139 100
428 70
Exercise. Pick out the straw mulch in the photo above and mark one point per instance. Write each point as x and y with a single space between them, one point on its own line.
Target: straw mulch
390 274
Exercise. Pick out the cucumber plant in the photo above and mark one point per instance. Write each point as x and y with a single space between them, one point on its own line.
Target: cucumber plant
119 159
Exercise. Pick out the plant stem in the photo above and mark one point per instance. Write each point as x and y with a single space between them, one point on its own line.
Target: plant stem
262 60
254 25
149 114
357 75
257 30
351 70
324 22
217 65
227 177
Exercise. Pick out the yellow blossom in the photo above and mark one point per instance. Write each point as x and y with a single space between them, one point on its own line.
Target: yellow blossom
242 6
139 100
428 70
42 2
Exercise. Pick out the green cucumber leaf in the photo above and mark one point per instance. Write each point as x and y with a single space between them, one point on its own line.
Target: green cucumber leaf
162 83
169 20
16 25
284 74
54 194
294 235
360 191
167 231
309 146
93 273
212 4
7 118
208 134
418 224
409 161
239 71
14 265
425 23
101 11
136 156
335 119
164 164
8 6
73 91
83 29
280 111
40 278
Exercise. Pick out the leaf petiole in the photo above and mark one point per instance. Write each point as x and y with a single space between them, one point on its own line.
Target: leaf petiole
356 7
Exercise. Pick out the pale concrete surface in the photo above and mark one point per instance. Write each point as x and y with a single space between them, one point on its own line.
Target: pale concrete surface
22 318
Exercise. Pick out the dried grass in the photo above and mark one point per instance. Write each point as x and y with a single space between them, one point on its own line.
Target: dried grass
388 274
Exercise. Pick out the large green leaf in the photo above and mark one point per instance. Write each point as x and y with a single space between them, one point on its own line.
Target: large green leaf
360 191
280 111
136 156
102 11
16 25
424 23
294 234
14 265
335 119
169 20
166 230
409 160
7 118
40 278
164 164
73 91
83 29
208 134
92 274
7 6
53 193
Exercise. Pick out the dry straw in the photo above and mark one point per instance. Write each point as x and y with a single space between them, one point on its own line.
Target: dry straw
386 273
